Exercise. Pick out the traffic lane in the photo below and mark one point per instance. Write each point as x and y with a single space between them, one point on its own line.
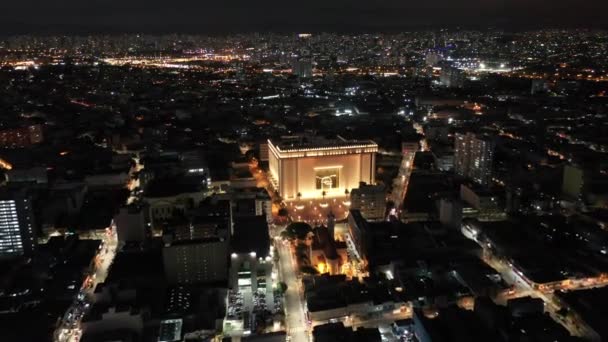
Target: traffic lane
293 303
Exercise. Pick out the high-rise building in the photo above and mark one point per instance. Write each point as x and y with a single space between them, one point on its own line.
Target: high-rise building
198 261
370 200
130 224
573 181
264 151
251 258
17 232
473 157
450 212
433 58
301 67
451 77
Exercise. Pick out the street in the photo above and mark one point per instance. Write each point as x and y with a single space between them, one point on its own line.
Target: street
524 289
400 183
294 307
69 329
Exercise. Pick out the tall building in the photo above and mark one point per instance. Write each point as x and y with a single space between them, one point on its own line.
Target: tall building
473 157
251 258
196 249
370 200
450 212
264 151
301 67
17 232
451 77
317 168
197 261
130 224
573 181
433 58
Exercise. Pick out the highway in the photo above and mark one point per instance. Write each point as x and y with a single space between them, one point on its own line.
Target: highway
294 307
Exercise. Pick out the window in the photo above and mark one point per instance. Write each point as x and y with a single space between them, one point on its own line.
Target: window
327 179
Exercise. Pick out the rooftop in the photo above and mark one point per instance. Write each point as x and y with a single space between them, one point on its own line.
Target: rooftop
302 144
251 235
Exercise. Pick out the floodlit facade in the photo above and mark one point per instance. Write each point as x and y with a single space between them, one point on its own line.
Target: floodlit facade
306 170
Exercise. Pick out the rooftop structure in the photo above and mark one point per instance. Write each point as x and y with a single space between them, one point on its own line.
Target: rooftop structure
318 168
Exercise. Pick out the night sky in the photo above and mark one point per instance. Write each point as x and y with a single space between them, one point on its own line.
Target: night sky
206 16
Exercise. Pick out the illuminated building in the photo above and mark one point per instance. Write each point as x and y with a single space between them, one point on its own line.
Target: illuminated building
473 157
321 168
16 224
326 254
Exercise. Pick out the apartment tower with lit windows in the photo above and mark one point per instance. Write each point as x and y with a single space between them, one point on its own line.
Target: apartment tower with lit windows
17 232
473 156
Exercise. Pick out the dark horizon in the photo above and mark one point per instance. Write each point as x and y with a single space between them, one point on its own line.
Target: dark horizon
237 16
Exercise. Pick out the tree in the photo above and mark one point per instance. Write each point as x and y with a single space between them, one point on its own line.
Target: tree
283 212
298 230
282 287
309 270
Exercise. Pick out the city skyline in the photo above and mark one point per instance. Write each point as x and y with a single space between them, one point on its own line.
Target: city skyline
391 180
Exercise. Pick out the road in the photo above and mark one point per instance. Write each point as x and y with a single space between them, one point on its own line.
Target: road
69 329
294 306
523 289
400 183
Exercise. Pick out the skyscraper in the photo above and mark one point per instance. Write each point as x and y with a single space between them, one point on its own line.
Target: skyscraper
473 157
302 67
451 77
370 200
17 235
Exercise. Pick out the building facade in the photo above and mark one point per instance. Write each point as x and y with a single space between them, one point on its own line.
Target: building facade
17 232
196 261
473 157
370 200
321 169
